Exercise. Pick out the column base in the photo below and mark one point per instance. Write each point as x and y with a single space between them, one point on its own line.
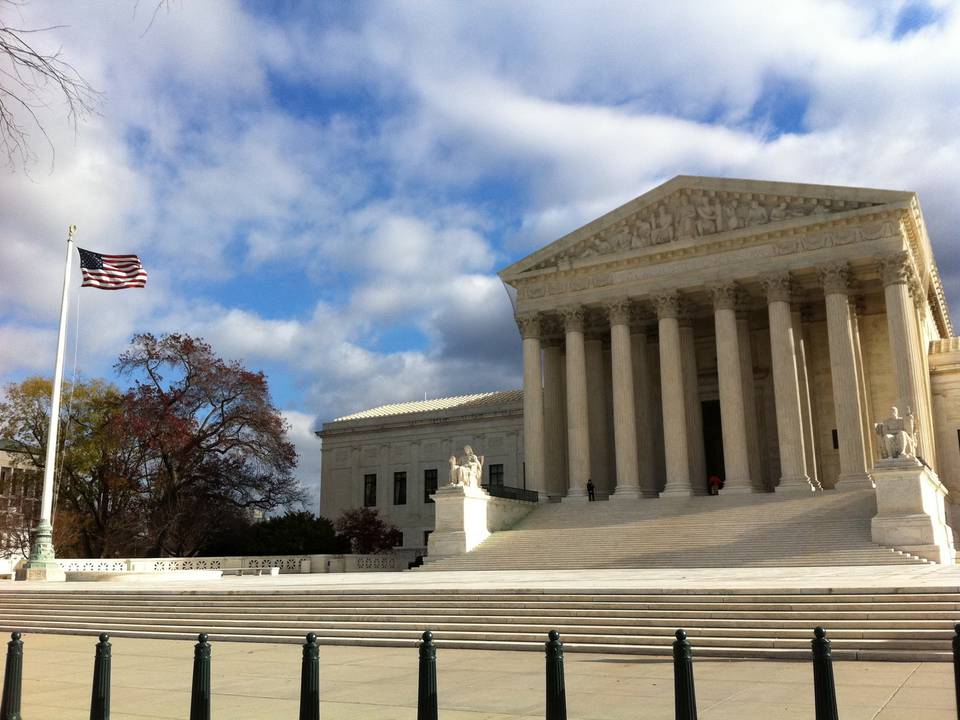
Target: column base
626 493
737 490
677 492
800 485
855 481
575 494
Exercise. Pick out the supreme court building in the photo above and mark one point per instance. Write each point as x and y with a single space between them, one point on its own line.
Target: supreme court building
746 329
753 330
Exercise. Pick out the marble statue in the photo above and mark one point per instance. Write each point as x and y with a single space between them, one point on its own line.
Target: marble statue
468 471
898 435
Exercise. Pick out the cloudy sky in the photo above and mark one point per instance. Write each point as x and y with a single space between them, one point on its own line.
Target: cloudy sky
325 191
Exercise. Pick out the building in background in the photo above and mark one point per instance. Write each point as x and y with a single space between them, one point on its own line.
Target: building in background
20 487
394 457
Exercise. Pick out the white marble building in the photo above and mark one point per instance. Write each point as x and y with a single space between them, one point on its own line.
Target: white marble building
752 330
394 456
748 329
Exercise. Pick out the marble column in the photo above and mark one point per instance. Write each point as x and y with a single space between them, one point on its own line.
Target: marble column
672 396
733 419
578 431
808 420
554 420
747 383
624 418
534 458
835 278
786 386
643 412
696 452
897 272
600 434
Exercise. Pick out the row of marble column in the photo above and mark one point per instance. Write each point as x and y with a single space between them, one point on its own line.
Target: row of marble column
735 376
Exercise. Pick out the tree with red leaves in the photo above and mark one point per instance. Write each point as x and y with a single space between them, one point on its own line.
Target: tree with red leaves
366 531
214 445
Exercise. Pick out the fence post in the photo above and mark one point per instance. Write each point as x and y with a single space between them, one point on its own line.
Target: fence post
824 690
200 690
427 685
310 680
100 695
12 679
684 695
556 688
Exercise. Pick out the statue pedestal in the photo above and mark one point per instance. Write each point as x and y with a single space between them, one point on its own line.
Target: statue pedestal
461 521
465 517
911 513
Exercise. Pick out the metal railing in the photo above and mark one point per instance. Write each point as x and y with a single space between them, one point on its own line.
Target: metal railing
555 706
512 493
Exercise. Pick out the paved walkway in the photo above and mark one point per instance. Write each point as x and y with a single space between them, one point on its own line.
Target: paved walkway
151 679
905 577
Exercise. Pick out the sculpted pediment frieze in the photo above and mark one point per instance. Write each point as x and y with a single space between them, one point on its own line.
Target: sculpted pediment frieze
691 214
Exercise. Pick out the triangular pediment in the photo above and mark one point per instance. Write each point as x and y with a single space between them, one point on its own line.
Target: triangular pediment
689 209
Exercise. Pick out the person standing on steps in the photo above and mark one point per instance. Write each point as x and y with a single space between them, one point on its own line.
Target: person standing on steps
591 495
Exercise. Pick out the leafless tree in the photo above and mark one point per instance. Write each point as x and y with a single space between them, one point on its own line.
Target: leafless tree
32 79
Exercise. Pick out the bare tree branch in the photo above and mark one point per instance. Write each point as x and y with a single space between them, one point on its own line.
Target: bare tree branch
31 79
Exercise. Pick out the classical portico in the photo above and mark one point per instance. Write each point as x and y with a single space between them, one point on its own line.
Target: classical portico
749 330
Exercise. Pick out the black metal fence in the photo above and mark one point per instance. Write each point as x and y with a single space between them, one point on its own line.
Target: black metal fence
512 493
555 705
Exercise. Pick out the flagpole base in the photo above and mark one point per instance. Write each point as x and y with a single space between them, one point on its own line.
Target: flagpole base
42 564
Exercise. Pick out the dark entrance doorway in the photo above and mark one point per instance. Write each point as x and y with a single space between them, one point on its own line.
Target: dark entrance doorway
712 438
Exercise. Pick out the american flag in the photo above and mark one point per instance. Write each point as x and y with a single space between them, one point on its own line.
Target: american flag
111 272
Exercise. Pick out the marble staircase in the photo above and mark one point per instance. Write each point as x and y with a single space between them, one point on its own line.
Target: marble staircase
910 624
758 530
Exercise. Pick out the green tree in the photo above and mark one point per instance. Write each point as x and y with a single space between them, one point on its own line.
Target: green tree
96 480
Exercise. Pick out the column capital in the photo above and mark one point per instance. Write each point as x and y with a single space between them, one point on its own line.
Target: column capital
917 293
529 324
619 311
667 305
895 269
572 317
725 295
778 286
835 278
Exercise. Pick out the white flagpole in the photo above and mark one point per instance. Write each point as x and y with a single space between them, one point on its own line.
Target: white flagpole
42 564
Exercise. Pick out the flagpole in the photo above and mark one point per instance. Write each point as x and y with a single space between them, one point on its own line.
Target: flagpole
42 564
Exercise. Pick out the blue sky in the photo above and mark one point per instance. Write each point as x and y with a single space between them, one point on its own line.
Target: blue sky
326 191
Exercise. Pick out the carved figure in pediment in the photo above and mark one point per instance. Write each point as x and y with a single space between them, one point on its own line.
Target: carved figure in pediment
819 209
731 221
757 215
642 233
779 212
664 230
688 221
620 236
707 217
602 245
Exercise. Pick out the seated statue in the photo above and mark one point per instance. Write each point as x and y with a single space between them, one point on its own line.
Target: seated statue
898 435
468 471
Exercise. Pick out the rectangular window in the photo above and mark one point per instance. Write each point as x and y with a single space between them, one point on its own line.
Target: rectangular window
399 488
5 474
836 440
429 484
370 490
496 474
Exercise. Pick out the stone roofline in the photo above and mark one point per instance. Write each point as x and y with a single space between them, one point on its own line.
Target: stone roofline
565 258
419 418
